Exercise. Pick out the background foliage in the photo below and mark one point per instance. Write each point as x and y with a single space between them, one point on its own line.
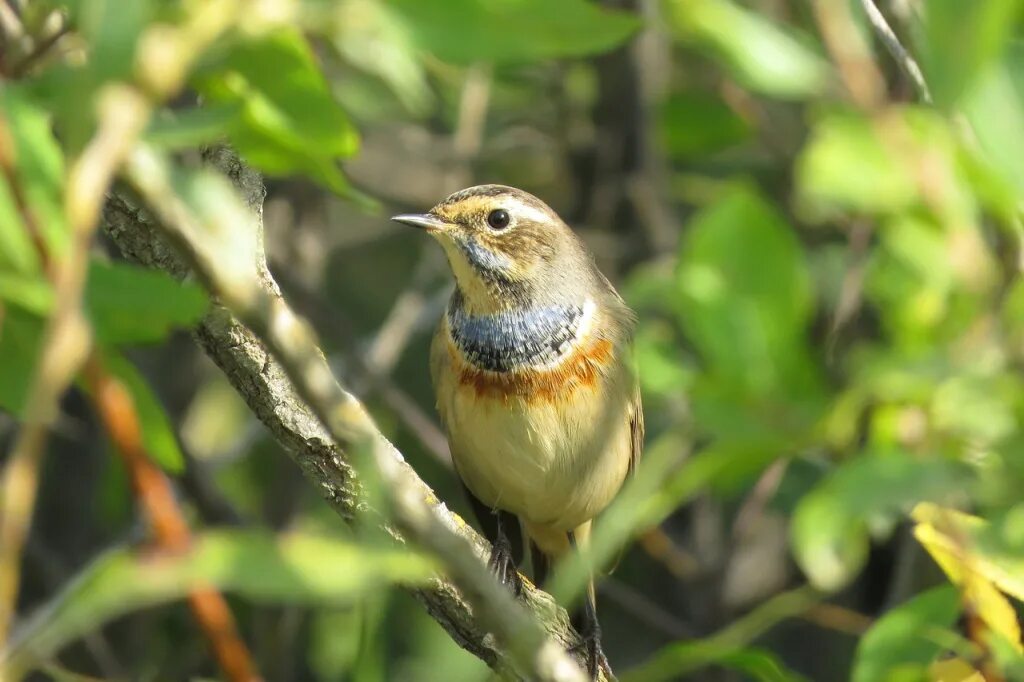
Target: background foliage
824 257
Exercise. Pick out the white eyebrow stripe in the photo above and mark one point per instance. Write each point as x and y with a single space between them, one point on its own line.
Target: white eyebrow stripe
521 210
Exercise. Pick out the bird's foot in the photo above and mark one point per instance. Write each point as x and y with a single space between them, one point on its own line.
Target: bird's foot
503 565
590 647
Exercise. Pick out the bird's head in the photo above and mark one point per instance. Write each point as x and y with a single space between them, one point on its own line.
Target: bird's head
506 248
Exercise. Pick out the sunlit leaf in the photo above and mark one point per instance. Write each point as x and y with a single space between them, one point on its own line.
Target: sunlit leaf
830 525
978 30
746 294
470 31
129 304
373 36
956 541
909 634
289 121
39 169
954 670
994 105
31 292
839 143
294 568
762 55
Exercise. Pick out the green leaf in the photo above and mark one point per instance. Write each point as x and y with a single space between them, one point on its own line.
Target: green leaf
21 336
829 532
290 569
746 296
696 123
995 108
31 292
129 304
978 30
190 128
373 36
289 120
912 634
157 433
730 645
763 56
39 168
112 29
502 31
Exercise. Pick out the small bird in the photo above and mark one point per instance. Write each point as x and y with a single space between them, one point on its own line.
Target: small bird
532 368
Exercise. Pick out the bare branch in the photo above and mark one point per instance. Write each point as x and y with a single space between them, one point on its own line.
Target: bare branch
319 422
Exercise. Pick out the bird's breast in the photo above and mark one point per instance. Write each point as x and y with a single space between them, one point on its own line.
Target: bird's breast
543 353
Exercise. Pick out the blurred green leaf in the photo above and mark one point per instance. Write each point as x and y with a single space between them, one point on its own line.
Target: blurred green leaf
39 169
129 304
21 336
994 105
746 296
373 36
190 128
961 39
112 29
973 544
825 171
31 292
829 531
762 55
729 646
912 634
471 31
697 123
293 569
157 433
16 250
289 120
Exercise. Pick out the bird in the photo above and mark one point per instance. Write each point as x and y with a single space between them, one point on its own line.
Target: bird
536 387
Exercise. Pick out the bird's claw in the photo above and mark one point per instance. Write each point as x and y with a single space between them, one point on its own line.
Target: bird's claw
590 647
503 566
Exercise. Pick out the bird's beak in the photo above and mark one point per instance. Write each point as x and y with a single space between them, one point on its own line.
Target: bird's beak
426 221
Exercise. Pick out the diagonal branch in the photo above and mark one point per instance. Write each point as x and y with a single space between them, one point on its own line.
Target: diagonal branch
321 424
899 53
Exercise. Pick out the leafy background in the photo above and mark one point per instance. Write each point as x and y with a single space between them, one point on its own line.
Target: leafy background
825 261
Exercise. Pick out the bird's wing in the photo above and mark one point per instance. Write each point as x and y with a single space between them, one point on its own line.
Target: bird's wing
636 431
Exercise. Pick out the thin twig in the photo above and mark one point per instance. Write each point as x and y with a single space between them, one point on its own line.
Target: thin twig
892 43
40 50
201 240
850 53
660 547
152 489
67 339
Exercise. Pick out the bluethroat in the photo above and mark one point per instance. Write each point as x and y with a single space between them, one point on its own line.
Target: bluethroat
532 368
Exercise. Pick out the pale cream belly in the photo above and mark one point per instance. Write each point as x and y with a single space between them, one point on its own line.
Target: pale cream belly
553 463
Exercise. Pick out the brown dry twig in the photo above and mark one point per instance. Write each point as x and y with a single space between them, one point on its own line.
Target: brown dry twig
152 489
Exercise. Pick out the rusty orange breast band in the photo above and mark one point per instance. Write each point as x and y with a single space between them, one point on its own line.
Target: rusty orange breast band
579 369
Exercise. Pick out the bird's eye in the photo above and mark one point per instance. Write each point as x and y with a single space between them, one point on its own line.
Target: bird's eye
498 219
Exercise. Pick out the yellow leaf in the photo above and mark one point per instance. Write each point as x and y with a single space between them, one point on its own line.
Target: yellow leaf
1007 572
953 670
950 538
